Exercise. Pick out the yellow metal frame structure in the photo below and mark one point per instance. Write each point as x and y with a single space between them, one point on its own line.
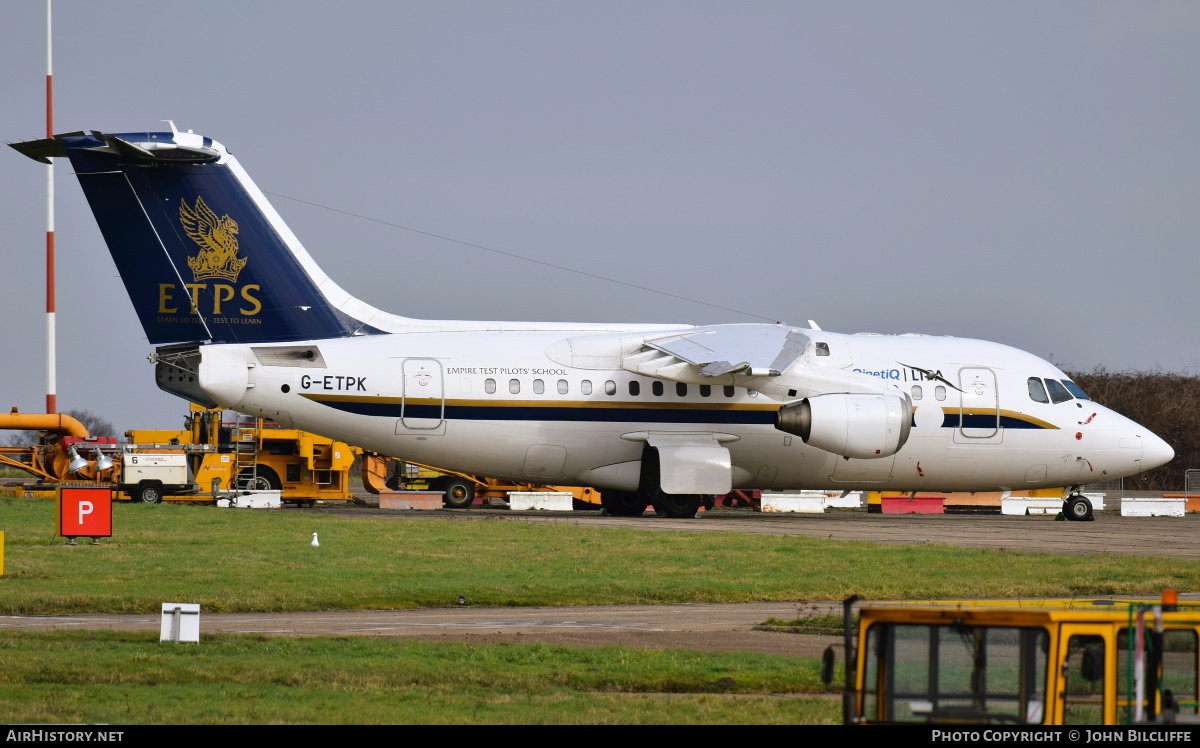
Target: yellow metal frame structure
1010 663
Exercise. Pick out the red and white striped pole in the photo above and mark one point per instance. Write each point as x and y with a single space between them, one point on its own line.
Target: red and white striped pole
51 396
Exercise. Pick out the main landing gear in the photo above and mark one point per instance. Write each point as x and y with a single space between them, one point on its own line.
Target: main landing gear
634 503
1077 508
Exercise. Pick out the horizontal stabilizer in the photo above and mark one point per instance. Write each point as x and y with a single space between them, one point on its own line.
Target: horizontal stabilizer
41 150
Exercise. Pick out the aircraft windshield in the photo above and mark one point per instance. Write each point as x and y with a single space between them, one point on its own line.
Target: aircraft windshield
1058 393
1074 389
1037 391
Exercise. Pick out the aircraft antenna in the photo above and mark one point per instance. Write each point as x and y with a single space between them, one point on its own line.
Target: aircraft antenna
515 256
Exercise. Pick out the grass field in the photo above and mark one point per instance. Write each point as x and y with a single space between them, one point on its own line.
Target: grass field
123 678
261 561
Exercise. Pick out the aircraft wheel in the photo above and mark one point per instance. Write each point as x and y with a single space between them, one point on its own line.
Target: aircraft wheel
623 503
150 493
262 478
460 493
678 505
1078 509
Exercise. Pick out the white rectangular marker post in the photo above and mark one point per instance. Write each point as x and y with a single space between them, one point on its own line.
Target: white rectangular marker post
180 622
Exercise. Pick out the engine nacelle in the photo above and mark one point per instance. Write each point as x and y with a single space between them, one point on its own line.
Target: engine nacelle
862 426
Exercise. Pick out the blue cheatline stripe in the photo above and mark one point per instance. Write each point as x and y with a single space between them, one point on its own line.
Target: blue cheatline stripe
986 421
516 413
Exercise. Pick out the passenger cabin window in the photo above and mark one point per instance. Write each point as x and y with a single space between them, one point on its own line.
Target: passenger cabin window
728 391
635 389
610 387
939 392
489 386
681 389
822 349
705 390
586 386
514 386
916 392
562 386
1058 393
538 386
1037 391
657 388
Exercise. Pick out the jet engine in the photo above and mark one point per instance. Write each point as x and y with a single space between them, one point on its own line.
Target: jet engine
862 426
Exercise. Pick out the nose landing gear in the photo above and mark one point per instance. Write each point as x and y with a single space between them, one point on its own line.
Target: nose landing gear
1077 508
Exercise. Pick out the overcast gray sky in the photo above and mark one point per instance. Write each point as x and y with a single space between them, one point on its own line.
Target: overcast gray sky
1025 172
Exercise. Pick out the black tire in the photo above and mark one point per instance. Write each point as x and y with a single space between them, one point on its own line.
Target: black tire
459 493
623 503
262 478
678 505
393 483
149 493
1078 509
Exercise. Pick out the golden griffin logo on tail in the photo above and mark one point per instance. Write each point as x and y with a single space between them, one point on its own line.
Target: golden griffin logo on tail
217 238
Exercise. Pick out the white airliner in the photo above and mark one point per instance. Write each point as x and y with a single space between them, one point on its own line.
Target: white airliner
651 414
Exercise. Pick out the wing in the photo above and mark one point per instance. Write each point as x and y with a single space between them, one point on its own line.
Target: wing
757 350
776 360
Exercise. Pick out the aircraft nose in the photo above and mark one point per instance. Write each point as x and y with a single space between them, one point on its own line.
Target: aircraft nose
1155 451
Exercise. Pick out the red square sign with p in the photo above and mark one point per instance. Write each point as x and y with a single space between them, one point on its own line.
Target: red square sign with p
85 512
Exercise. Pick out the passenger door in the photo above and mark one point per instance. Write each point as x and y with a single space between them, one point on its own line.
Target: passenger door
424 401
979 409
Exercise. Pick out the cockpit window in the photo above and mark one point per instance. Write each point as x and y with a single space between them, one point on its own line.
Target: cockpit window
822 349
1058 393
1074 389
1037 391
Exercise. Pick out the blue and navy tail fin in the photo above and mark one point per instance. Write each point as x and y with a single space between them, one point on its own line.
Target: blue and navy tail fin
202 253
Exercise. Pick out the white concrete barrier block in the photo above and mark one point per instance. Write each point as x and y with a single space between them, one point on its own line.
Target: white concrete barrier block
551 501
253 500
852 500
1022 505
808 503
1152 507
1097 500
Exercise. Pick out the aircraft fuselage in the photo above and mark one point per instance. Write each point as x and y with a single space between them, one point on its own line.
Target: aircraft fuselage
497 404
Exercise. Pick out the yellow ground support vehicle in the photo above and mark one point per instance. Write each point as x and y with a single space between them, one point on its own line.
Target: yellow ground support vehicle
1093 662
244 453
236 451
461 491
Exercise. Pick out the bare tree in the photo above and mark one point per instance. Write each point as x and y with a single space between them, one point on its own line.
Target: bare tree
96 424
